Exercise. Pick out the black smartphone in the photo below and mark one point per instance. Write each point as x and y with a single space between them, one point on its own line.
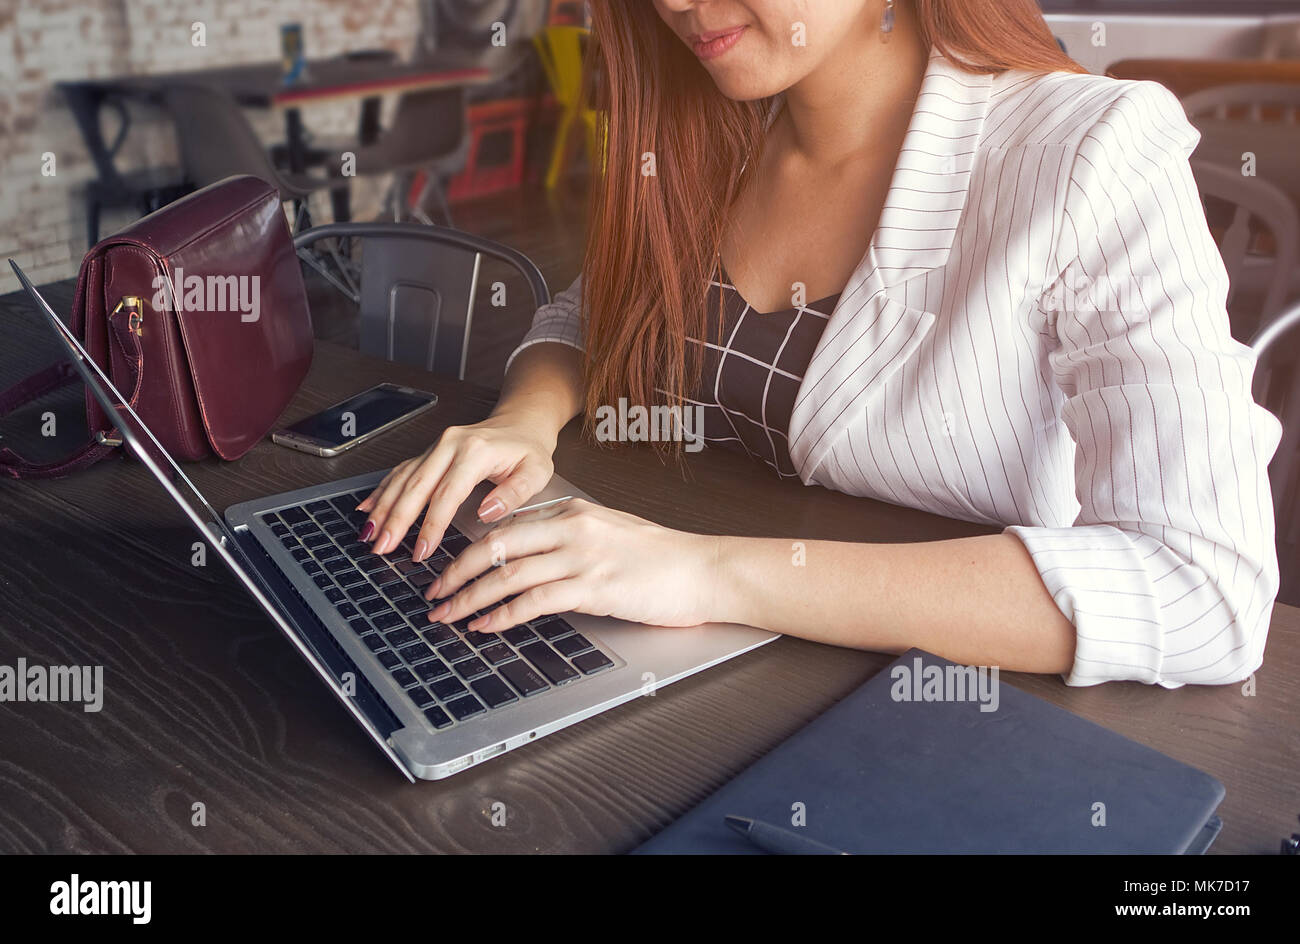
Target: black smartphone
355 420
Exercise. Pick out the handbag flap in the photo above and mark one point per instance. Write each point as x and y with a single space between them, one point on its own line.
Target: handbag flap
229 273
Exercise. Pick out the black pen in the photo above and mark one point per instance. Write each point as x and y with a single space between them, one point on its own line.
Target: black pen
776 840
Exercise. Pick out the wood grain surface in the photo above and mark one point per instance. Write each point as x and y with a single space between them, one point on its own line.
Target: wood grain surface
205 703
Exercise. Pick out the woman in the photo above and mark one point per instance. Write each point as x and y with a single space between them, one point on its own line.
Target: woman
1021 322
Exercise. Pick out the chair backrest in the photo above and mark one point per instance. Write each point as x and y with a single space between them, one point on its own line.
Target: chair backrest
215 137
1253 199
418 287
426 125
1277 386
1253 100
560 49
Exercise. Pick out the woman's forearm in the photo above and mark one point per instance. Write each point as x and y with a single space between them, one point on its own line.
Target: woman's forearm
977 601
543 388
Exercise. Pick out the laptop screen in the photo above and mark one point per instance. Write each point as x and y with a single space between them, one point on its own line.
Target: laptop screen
191 501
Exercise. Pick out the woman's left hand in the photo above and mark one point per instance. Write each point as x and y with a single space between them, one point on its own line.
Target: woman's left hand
584 557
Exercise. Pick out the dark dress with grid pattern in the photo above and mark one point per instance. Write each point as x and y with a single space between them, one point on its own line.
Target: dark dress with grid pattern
749 382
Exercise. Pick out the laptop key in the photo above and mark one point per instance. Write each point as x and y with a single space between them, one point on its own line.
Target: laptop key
323 581
371 563
317 540
548 662
300 554
552 629
317 507
455 651
340 565
421 697
572 645
466 707
592 662
376 643
479 640
447 688
437 634
432 670
384 578
387 621
453 544
401 637
346 609
413 607
523 678
350 578
360 626
404 678
399 591
334 594
416 652
293 515
471 668
519 635
437 717
493 691
362 591
408 567
388 659
498 653
377 605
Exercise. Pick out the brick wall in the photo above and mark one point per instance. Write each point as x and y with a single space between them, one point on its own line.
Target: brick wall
42 218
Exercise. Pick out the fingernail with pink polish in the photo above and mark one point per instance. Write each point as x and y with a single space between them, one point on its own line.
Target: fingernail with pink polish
367 532
491 510
421 550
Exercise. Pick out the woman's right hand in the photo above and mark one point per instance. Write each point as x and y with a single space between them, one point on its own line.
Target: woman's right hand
505 450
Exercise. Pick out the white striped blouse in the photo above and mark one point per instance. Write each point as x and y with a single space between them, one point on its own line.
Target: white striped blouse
1037 338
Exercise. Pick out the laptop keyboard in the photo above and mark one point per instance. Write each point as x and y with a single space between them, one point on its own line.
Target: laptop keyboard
449 672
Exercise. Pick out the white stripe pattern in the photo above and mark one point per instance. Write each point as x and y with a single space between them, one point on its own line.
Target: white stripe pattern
965 372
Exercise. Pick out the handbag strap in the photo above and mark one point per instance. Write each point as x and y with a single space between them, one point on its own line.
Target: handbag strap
14 466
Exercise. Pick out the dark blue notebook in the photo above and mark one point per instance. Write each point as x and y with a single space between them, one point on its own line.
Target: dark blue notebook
929 757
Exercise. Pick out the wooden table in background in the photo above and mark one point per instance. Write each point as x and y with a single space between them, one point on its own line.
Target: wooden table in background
205 702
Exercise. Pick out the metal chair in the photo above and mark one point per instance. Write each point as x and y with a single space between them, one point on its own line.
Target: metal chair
1254 98
1254 199
143 190
217 141
427 136
417 286
1278 388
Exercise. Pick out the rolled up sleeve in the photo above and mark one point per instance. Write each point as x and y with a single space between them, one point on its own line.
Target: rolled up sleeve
1170 571
559 322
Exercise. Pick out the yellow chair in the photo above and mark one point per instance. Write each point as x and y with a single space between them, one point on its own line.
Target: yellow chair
560 49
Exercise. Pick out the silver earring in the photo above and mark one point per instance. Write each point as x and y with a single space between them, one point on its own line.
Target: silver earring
887 21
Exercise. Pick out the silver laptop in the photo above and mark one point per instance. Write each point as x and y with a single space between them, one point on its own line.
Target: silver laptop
435 698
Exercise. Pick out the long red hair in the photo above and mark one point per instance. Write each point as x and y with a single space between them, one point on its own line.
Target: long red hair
652 241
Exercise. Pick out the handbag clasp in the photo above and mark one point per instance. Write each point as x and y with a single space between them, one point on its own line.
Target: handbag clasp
135 320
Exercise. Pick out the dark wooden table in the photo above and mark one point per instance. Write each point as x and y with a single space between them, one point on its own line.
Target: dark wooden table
206 703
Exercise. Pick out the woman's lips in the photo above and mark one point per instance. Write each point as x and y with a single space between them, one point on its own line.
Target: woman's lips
720 43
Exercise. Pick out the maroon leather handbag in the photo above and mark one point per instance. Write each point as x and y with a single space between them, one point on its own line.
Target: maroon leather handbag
199 316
